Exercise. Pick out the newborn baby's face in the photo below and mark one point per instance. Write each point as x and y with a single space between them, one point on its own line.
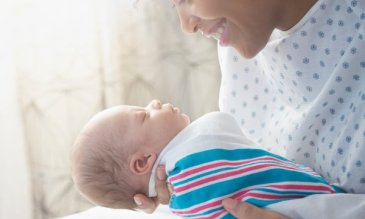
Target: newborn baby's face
125 133
153 126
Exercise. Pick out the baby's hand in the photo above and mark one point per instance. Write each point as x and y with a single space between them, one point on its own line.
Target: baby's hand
149 205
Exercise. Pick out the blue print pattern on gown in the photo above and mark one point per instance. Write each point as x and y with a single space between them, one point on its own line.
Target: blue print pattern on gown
304 93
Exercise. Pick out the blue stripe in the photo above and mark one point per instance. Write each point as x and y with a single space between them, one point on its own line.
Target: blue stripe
263 203
219 189
231 186
224 169
228 216
220 154
286 192
204 213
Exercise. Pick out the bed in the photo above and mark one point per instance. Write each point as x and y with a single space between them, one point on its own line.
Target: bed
347 206
106 213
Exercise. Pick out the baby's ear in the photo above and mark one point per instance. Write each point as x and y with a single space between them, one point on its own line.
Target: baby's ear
141 164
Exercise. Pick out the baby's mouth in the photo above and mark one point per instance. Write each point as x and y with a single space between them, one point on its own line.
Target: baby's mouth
176 109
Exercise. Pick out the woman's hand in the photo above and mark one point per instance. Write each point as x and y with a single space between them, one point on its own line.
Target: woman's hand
244 210
149 205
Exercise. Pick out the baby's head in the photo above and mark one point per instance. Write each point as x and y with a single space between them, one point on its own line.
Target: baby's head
114 153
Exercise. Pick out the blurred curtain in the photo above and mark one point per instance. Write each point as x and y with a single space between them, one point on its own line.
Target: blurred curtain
72 58
15 184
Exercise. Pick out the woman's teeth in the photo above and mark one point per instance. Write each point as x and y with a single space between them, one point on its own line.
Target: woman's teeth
217 34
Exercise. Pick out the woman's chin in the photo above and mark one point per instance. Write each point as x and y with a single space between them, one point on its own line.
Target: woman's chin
247 52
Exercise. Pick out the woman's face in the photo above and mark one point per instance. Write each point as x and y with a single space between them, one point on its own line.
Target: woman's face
245 25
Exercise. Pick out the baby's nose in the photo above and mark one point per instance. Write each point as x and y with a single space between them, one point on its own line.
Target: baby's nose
168 105
155 104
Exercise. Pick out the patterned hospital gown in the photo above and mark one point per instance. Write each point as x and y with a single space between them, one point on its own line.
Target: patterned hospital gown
303 95
210 160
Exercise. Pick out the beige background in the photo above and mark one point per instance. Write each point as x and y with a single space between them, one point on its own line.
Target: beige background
61 61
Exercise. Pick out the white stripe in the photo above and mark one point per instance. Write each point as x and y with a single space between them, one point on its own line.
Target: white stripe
276 161
250 188
227 178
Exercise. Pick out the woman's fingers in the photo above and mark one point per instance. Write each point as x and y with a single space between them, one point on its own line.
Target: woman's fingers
145 204
163 193
149 205
239 209
244 210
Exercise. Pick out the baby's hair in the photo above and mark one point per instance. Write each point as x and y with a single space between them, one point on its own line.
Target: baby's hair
99 170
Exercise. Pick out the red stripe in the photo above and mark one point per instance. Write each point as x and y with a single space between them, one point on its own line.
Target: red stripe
179 189
219 213
200 208
304 187
220 176
210 204
223 163
268 196
247 194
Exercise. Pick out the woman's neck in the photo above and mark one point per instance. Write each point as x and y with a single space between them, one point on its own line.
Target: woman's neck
291 12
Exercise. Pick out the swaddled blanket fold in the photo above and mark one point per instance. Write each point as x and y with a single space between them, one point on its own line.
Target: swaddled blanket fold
211 160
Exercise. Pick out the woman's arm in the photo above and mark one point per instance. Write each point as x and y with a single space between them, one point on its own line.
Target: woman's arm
334 206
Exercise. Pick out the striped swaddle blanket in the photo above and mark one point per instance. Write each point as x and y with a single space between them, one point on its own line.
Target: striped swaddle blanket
200 181
212 159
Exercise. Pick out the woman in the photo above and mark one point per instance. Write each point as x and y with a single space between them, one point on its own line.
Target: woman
293 76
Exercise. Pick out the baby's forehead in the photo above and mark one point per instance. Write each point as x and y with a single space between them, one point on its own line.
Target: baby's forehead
112 118
120 110
123 114
126 108
131 108
128 112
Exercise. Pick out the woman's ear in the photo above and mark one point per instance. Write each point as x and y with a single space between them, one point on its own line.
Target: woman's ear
141 164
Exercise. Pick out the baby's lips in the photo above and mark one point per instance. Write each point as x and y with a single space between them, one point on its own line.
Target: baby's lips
176 109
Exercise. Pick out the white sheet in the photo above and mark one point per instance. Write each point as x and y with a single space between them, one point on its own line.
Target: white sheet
106 213
333 206
346 206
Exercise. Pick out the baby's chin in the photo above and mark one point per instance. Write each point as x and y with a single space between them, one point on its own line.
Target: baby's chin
187 119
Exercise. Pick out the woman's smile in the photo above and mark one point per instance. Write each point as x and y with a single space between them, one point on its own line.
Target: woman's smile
219 31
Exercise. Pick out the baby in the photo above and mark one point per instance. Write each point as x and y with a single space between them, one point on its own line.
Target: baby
116 155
